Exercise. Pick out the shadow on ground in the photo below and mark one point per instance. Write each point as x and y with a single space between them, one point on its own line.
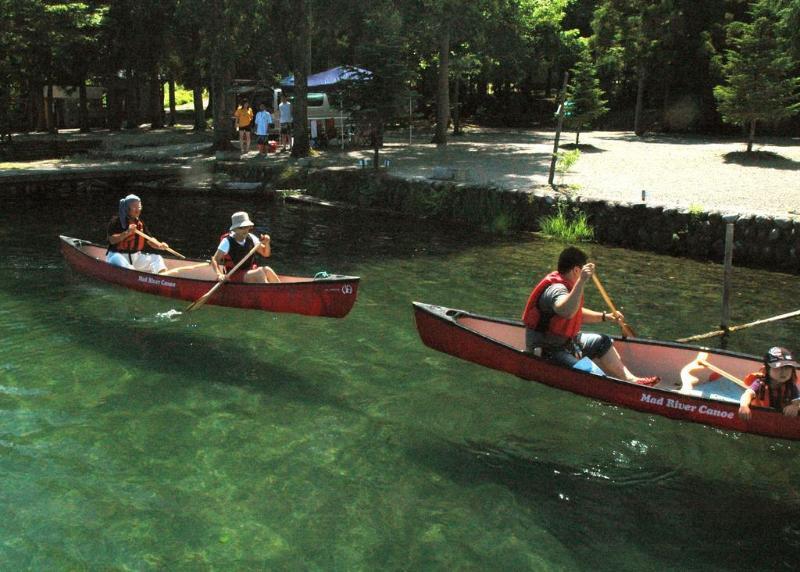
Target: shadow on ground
583 148
763 159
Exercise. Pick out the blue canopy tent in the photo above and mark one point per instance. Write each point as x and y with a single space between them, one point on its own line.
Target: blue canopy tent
328 78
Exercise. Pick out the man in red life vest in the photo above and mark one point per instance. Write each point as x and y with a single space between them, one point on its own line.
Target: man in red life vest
554 315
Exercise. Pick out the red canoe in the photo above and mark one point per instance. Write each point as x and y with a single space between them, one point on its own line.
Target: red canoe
499 344
332 296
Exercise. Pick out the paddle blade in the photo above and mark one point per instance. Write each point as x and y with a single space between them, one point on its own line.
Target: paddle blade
203 299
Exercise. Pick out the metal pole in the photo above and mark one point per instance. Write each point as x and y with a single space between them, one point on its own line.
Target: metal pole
561 98
726 283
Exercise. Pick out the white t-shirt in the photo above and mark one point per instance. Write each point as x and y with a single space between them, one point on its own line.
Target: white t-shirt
286 112
224 246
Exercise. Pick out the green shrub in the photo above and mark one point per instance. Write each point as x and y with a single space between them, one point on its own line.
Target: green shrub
568 223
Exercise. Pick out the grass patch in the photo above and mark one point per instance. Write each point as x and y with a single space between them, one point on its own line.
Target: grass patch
569 224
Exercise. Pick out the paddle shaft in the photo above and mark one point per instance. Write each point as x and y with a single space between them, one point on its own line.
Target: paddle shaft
182 268
627 331
722 372
739 327
168 249
204 298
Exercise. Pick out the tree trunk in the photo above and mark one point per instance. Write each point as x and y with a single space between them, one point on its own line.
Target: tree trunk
38 119
443 89
131 103
113 107
172 106
83 110
223 124
50 120
199 112
456 106
638 128
156 102
548 85
577 137
302 52
751 135
376 147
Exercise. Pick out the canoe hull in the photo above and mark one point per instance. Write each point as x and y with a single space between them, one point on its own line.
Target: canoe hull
331 297
464 335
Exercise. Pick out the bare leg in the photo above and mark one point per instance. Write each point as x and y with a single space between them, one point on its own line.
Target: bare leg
255 276
269 274
612 365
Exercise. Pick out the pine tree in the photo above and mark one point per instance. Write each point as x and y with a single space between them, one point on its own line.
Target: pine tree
759 84
585 101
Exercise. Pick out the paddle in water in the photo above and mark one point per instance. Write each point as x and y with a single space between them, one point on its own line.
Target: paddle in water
204 298
627 331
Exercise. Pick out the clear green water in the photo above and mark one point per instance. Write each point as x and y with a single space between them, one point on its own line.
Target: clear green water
236 440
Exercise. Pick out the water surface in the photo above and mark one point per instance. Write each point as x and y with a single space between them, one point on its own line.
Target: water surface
131 438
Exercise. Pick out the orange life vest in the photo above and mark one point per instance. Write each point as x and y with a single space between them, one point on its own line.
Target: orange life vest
557 325
134 243
763 397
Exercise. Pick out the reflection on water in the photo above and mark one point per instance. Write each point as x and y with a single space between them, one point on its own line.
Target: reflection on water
135 436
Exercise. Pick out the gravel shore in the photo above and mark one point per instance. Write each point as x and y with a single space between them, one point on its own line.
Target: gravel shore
711 174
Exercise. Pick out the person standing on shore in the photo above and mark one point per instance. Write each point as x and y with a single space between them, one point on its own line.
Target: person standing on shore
555 313
244 116
263 120
285 109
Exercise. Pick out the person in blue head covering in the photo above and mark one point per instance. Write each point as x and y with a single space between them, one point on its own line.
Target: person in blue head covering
125 246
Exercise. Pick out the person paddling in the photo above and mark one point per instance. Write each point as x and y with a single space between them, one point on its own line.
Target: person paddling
125 246
774 385
555 313
236 245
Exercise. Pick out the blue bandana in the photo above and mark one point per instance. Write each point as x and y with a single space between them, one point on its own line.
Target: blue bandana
123 209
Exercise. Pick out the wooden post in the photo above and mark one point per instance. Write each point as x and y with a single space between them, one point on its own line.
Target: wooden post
561 99
726 285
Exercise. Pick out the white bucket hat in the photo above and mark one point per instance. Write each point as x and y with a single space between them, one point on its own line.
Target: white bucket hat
240 219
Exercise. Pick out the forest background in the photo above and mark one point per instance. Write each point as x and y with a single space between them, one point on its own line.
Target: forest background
661 65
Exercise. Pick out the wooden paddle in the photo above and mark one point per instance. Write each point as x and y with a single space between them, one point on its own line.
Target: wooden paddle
627 331
168 249
702 359
204 298
182 268
739 327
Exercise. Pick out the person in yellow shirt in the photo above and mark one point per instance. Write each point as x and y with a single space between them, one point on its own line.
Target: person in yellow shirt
244 117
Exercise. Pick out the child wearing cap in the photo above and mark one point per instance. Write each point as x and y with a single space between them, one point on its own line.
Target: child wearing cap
774 385
236 245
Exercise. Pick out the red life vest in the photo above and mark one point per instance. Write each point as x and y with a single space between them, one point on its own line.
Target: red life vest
238 252
763 398
134 243
558 325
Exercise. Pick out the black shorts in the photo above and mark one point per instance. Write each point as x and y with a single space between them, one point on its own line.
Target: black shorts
244 129
286 128
261 139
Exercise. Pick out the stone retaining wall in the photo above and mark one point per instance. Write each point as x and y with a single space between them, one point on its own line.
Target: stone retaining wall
763 242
